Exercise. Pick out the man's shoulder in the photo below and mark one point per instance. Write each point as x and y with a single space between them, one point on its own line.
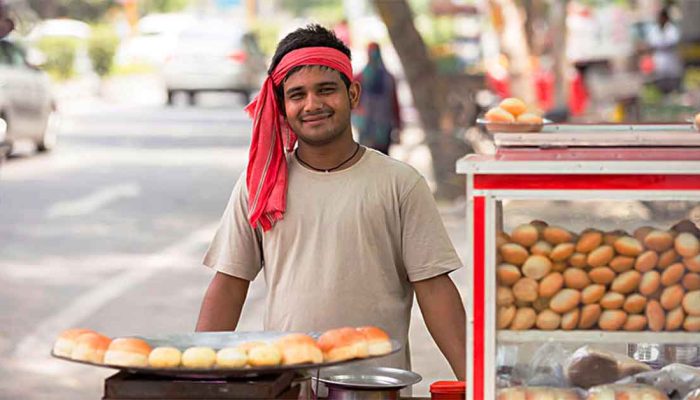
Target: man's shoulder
391 167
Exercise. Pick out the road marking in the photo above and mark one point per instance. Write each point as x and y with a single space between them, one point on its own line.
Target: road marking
34 346
94 201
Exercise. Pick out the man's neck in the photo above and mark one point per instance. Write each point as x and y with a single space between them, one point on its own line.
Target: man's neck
329 156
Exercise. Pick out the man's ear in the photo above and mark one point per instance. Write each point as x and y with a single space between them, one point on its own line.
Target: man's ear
354 92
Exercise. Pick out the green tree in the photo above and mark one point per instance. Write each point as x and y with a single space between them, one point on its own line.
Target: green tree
102 46
84 10
162 6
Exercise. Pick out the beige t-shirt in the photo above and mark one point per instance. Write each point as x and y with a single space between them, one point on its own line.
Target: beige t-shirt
345 254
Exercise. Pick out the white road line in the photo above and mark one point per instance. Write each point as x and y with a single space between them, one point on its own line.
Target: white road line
34 346
94 201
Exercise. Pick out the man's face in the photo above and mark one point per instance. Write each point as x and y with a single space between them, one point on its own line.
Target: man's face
317 104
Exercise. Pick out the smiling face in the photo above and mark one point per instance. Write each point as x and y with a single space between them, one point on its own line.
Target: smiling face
317 105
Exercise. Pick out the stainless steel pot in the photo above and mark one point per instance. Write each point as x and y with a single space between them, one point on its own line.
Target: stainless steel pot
366 383
343 393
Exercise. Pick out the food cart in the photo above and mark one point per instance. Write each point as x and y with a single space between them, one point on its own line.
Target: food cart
611 179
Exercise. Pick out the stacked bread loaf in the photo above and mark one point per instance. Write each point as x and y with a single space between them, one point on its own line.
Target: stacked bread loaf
550 278
296 348
605 392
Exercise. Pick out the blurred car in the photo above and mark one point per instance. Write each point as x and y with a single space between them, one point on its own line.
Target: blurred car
155 38
26 104
214 57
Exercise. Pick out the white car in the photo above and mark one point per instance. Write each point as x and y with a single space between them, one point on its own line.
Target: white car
214 57
26 104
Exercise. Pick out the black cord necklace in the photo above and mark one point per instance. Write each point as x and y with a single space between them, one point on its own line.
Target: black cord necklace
296 154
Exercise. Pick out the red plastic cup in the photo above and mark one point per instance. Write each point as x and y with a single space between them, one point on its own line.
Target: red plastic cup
447 390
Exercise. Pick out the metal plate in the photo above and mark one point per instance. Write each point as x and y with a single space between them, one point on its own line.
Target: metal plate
218 340
361 377
512 127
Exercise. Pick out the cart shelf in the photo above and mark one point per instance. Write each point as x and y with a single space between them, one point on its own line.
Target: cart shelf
598 337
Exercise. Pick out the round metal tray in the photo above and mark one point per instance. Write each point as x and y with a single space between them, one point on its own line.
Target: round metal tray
361 377
218 340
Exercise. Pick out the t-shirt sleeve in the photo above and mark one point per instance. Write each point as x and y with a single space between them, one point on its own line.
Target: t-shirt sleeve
236 247
426 247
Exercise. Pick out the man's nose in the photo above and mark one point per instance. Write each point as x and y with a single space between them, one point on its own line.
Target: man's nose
313 102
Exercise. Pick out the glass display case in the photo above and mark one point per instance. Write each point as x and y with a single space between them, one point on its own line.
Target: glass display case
586 235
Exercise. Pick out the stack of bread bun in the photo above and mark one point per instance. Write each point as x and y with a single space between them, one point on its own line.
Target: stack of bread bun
696 121
537 393
605 392
292 349
551 278
512 111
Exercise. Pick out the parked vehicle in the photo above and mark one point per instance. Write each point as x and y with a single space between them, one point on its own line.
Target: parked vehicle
214 57
26 103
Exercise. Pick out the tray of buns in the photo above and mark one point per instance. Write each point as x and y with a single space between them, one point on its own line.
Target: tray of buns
203 355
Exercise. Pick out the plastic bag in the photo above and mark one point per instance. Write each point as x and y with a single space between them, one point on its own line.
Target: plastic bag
630 392
589 367
677 380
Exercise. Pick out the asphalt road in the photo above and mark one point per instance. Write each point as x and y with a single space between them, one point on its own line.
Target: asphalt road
108 231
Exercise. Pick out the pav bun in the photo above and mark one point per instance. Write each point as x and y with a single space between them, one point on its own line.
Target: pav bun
377 340
128 352
165 357
91 346
343 344
231 357
298 348
265 355
65 343
199 357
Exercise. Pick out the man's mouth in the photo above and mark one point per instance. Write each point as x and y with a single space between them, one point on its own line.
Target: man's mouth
316 117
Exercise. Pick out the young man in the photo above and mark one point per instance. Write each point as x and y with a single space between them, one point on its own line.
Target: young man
344 233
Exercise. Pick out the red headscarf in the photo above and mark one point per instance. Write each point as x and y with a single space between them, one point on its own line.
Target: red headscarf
266 176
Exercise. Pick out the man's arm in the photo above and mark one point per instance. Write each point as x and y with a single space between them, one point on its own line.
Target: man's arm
222 304
445 318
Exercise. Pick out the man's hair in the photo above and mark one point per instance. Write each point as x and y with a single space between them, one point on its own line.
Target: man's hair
312 35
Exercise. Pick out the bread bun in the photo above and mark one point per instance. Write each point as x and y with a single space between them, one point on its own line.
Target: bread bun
635 323
526 289
264 356
556 235
691 281
575 278
565 301
589 316
609 238
673 274
298 348
65 342
578 260
504 296
343 344
536 267
551 284
498 114
502 238
525 235
589 241
628 246
692 263
513 105
548 320
650 283
570 319
687 245
377 340
621 264
524 319
691 323
505 316
592 294
691 303
541 248
671 297
646 261
674 319
507 274
612 320
635 303
514 253
128 352
562 251
247 346
165 357
602 275
642 232
91 347
600 256
612 301
667 258
540 304
528 118
200 357
626 282
658 240
231 357
656 318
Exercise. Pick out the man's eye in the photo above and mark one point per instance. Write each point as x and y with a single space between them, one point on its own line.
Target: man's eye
327 90
296 96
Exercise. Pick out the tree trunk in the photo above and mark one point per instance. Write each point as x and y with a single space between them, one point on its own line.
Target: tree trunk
430 96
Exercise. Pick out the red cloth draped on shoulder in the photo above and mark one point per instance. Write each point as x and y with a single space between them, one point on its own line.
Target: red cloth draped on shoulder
266 177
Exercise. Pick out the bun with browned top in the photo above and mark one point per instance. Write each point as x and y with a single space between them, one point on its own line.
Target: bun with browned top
298 348
90 346
128 352
65 343
377 340
343 344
